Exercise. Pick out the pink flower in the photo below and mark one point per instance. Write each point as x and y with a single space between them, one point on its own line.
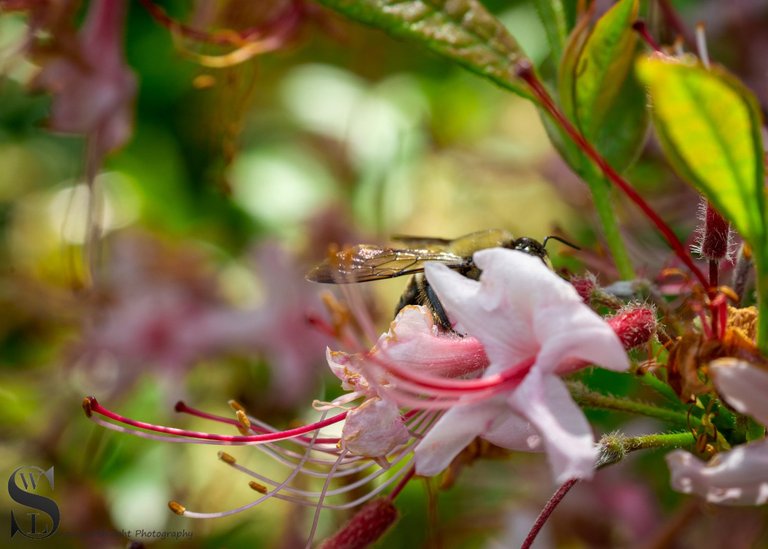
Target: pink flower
739 476
420 395
92 87
533 325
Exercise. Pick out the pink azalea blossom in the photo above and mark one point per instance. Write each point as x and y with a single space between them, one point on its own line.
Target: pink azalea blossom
739 476
419 395
534 324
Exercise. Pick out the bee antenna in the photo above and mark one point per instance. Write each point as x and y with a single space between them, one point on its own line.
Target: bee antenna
553 237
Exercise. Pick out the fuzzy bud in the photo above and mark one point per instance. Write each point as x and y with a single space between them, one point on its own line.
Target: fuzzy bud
585 286
366 527
714 235
592 293
635 325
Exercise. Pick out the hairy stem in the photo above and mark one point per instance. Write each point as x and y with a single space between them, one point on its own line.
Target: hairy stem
591 399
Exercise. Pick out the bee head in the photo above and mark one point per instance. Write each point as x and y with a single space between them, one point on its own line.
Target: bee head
529 246
534 247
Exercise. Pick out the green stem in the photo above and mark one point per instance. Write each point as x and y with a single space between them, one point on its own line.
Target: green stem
601 196
614 448
761 285
590 399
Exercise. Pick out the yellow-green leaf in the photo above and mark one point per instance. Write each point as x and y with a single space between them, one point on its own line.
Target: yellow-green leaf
461 30
598 90
710 128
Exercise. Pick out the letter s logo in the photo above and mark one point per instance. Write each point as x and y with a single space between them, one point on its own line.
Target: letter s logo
22 485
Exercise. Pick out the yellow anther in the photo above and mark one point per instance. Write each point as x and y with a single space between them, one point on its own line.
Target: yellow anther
176 507
87 406
227 458
236 406
245 423
260 488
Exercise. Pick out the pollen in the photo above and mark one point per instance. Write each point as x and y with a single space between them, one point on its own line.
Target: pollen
260 488
744 320
87 406
236 406
177 507
229 459
244 423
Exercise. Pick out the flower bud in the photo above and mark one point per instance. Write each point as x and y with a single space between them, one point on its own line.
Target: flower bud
635 325
366 527
714 235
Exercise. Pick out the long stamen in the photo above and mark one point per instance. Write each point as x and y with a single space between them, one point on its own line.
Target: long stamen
91 405
513 374
316 518
256 427
252 504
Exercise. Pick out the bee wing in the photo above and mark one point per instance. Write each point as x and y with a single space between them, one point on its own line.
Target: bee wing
422 241
366 262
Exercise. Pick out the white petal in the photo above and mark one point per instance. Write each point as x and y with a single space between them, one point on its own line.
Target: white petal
573 334
744 386
373 429
513 432
545 402
738 477
486 312
453 432
520 307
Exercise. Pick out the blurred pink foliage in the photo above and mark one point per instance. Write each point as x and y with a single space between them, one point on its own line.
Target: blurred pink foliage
159 311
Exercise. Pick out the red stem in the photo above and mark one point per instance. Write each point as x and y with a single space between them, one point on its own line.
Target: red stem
525 71
673 20
553 502
400 485
641 28
714 273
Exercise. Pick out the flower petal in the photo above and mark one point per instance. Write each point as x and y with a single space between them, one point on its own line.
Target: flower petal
744 386
520 308
414 342
545 402
737 477
453 432
473 304
374 429
572 334
513 432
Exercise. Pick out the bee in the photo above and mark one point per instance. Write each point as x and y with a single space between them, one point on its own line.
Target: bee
366 262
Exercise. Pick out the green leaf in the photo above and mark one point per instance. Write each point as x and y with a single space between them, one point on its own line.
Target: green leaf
709 126
552 15
461 30
598 90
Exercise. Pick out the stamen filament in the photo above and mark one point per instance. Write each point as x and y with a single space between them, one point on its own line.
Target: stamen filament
92 405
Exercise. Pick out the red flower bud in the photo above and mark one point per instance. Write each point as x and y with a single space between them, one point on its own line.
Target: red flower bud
585 286
714 235
635 325
366 527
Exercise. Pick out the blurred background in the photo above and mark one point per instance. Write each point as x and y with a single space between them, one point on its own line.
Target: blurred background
232 181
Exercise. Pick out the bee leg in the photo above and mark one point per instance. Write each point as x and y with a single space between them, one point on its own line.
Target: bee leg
437 308
411 296
419 292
